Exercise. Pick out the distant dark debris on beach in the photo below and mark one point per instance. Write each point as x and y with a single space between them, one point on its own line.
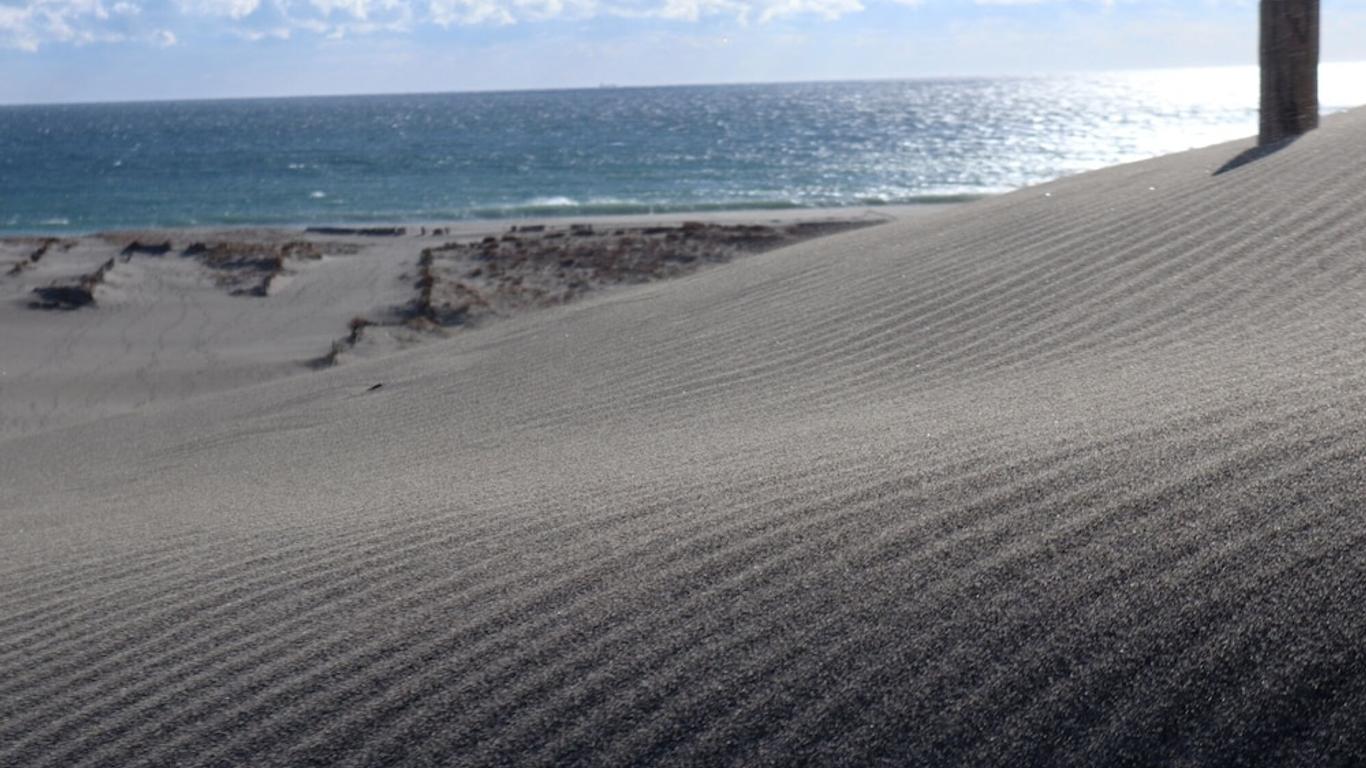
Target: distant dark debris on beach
530 266
466 282
74 295
362 231
146 249
34 256
248 268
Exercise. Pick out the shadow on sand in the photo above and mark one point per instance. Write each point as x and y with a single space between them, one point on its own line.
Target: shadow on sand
1254 154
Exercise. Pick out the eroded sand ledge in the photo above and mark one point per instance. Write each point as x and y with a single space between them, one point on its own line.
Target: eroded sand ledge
1073 476
130 320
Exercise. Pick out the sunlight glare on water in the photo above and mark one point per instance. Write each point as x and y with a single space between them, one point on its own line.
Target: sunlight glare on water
613 151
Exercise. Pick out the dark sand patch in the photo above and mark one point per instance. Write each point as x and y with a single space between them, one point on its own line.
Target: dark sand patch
468 282
70 295
461 283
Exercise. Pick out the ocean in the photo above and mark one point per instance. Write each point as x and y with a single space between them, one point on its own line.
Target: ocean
425 157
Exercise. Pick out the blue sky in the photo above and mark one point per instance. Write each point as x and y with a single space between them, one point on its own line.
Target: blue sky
96 50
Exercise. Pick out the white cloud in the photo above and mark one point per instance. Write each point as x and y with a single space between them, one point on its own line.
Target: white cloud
16 29
232 9
685 10
78 22
825 9
361 9
31 24
448 12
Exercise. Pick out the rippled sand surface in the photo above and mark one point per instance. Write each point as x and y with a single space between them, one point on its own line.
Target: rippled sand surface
1069 476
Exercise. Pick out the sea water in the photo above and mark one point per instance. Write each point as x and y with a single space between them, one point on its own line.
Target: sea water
430 157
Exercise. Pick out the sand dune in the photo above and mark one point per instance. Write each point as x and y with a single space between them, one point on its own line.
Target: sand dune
1069 476
123 322
166 327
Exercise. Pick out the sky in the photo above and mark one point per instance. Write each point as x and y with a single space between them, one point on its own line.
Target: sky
118 50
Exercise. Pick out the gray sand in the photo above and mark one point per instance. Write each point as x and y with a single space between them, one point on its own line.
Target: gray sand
1069 476
121 322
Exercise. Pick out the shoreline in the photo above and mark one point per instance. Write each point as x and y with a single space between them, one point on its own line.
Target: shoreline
461 227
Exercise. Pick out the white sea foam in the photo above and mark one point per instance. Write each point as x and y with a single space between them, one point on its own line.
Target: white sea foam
555 201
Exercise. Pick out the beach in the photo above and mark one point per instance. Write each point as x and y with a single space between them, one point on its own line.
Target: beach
1071 475
121 321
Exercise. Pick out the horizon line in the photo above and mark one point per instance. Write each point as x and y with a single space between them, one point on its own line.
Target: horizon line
640 86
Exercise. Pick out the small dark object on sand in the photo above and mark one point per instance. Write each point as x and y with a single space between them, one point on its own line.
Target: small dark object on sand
69 296
41 251
150 249
357 325
63 297
33 258
375 387
367 231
